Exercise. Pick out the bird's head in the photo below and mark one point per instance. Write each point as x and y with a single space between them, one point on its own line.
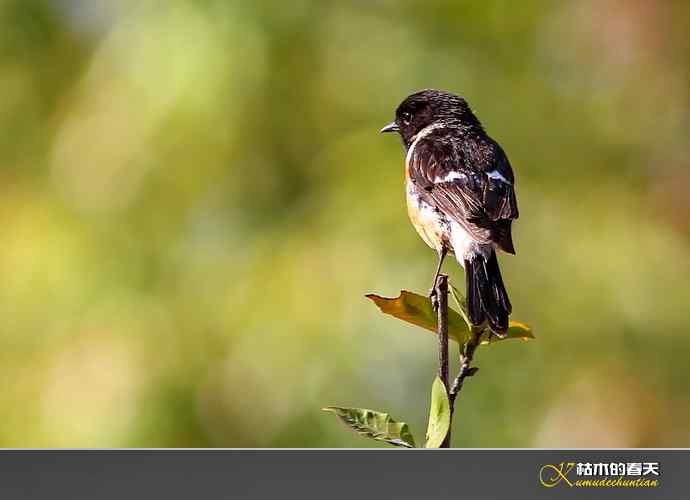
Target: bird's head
429 107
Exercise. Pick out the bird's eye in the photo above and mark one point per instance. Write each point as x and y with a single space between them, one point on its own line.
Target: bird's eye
406 116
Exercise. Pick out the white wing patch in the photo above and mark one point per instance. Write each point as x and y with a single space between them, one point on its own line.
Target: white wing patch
450 177
495 174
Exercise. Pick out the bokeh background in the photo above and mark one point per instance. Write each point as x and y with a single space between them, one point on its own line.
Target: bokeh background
194 199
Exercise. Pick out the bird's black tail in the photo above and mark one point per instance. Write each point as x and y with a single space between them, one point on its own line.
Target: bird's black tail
487 298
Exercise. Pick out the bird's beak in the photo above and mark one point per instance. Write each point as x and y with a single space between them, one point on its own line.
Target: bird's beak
391 127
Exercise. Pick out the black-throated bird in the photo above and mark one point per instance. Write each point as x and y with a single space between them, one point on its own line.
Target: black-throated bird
460 195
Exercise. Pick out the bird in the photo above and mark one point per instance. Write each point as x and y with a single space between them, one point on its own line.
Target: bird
460 191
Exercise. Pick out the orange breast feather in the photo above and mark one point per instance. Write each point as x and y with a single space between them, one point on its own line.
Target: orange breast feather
425 220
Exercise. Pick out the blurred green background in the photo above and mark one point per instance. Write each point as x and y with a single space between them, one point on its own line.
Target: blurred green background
194 199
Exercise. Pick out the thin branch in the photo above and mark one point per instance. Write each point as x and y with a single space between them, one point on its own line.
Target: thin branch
441 304
466 368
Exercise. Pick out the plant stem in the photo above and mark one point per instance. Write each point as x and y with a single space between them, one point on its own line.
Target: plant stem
466 350
441 287
466 370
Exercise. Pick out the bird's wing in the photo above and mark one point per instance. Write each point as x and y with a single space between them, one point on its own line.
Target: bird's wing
476 193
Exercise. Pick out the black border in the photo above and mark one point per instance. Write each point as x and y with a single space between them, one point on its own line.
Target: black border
324 474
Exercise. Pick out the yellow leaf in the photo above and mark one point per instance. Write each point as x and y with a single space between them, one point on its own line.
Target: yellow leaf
416 309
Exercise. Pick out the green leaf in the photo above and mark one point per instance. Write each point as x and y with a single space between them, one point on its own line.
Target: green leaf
517 330
417 310
462 305
439 415
375 425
